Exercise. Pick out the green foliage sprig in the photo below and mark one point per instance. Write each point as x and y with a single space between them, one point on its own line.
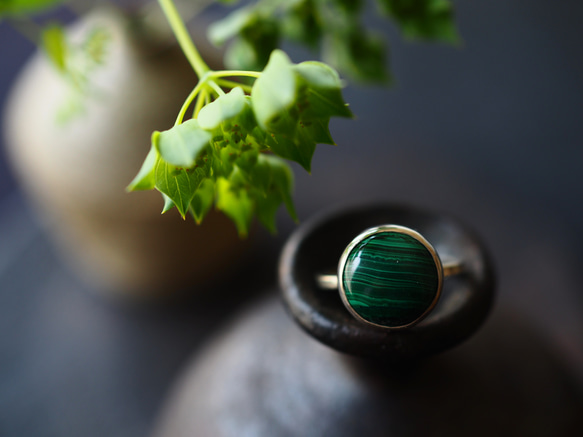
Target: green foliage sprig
23 7
335 27
74 61
248 120
230 152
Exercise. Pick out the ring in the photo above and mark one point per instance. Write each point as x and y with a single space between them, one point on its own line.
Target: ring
390 276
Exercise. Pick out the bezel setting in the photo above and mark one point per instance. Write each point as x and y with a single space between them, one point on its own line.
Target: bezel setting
389 229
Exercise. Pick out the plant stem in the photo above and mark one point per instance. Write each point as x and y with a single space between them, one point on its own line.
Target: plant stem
183 37
216 88
235 73
188 101
232 84
200 102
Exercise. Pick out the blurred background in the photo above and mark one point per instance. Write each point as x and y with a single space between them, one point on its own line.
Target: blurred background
490 132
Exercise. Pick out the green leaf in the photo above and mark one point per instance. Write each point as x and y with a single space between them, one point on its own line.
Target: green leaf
180 184
294 121
324 91
258 175
246 118
359 54
301 23
317 130
55 45
181 145
299 149
22 7
247 159
266 210
262 34
168 203
146 177
273 181
423 19
95 46
336 17
350 6
223 108
223 30
283 181
274 93
319 75
203 200
241 55
236 203
257 32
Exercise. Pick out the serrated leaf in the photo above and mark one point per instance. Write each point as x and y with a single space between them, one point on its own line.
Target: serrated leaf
223 108
274 185
247 159
146 177
336 17
180 184
300 149
221 31
358 54
423 19
236 203
302 23
262 33
168 203
266 210
350 6
241 55
55 46
181 145
295 125
224 157
317 130
257 32
203 200
323 92
259 174
274 93
246 118
283 181
319 75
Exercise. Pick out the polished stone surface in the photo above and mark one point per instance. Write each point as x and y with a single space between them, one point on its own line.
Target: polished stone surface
390 279
262 377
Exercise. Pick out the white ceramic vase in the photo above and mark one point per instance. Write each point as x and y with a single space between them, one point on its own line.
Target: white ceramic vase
75 173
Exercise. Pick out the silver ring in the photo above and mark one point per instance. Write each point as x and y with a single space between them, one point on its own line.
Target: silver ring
390 276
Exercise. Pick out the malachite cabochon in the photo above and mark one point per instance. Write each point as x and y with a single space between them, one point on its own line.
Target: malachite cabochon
390 279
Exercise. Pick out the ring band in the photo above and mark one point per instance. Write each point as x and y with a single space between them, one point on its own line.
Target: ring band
330 281
390 276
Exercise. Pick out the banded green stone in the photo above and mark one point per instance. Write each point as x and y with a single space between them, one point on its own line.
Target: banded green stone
390 279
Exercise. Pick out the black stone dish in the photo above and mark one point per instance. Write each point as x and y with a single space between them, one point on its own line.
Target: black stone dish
316 247
264 377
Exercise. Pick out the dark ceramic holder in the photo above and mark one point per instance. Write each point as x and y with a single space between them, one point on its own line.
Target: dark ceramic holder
316 247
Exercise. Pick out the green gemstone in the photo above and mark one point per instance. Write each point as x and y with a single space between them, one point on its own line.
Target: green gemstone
390 279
